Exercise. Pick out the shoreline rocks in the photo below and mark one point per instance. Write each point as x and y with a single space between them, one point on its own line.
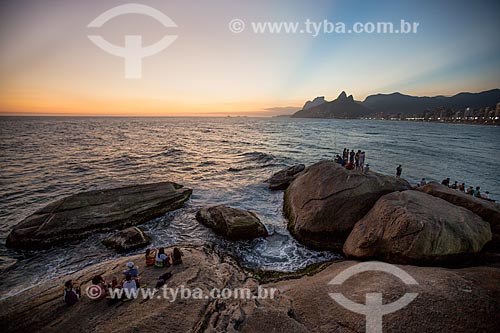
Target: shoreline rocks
487 210
282 179
232 223
127 239
449 300
412 227
326 200
79 215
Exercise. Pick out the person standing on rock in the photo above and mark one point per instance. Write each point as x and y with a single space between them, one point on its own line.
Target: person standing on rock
351 156
399 170
362 161
344 154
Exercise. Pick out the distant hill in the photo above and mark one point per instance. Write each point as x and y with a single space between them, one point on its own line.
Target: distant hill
405 104
345 107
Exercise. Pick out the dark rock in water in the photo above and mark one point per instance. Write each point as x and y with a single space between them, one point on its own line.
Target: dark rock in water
487 210
412 227
283 178
324 202
82 214
127 239
232 223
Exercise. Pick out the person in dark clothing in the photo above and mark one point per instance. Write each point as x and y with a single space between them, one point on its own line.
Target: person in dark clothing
399 170
446 182
351 156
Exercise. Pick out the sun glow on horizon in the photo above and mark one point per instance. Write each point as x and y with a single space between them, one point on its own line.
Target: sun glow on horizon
48 66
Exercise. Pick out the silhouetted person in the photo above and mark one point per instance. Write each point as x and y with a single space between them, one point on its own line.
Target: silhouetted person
399 170
351 156
423 182
446 182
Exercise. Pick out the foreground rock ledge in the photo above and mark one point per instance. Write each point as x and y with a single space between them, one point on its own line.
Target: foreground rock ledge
82 214
232 223
326 200
449 300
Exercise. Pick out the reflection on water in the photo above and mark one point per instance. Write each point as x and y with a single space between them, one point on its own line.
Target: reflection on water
225 161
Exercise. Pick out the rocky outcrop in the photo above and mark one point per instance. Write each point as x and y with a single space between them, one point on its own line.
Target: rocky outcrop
487 210
282 179
416 228
460 300
324 202
232 223
81 214
127 239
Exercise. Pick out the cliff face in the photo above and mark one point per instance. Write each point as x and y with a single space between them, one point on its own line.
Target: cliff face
344 107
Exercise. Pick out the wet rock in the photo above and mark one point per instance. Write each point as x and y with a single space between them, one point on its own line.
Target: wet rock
282 179
127 239
232 223
82 214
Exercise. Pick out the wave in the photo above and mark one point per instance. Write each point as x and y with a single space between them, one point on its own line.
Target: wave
258 156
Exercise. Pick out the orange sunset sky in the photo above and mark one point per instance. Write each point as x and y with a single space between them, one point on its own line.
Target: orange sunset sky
48 65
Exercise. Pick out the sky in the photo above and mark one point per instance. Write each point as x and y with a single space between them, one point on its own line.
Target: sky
49 66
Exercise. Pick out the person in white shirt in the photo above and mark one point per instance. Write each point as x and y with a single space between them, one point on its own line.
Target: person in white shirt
129 285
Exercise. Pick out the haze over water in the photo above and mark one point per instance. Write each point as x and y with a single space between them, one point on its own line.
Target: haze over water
224 161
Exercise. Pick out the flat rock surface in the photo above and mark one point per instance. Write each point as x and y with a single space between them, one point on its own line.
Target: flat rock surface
449 300
79 215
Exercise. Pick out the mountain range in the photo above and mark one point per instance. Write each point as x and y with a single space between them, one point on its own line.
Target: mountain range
391 104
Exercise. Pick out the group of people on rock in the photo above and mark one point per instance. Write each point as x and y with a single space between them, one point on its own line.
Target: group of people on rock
130 281
353 160
462 188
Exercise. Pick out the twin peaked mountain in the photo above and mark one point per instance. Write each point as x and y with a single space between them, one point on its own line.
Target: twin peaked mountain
390 104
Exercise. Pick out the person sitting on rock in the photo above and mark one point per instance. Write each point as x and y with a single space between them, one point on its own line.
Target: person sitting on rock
150 257
461 187
470 190
477 193
71 293
446 182
130 285
367 169
133 271
177 256
99 282
163 279
162 260
350 166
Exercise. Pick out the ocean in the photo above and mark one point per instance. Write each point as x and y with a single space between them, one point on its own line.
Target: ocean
224 161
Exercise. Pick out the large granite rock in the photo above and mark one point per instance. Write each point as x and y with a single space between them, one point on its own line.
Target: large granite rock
127 239
282 179
487 210
232 223
416 228
81 214
324 202
460 300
